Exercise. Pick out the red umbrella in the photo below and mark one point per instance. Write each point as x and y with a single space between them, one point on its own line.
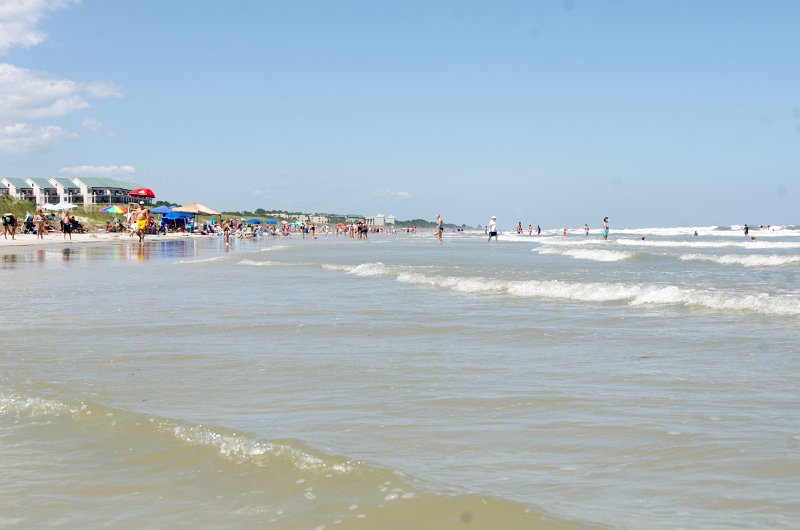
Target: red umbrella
142 192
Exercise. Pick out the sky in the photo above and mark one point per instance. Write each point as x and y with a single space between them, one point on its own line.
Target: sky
550 112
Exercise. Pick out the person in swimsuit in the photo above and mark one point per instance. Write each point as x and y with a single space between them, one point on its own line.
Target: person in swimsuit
604 233
493 228
439 227
9 225
66 225
226 230
38 222
142 218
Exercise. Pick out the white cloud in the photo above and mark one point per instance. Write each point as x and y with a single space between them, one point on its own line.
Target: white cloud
393 194
91 124
98 170
261 193
18 138
19 21
28 96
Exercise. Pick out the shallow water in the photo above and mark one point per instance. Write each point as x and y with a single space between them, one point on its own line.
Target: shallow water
530 382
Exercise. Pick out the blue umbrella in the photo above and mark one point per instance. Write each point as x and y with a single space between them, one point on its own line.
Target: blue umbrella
271 222
254 221
161 210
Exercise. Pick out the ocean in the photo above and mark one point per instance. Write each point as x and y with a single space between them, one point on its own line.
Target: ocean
533 382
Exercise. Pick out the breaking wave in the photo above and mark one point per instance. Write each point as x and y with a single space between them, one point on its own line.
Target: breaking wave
773 260
587 254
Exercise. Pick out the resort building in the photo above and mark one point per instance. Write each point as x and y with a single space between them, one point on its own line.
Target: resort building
98 190
319 219
381 220
44 192
18 188
66 190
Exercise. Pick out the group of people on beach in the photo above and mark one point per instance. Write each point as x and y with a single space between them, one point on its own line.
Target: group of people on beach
491 229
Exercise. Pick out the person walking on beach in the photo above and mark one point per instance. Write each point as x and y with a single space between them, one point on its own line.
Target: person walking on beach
538 230
38 222
493 228
66 225
746 230
439 227
226 232
604 233
142 218
9 225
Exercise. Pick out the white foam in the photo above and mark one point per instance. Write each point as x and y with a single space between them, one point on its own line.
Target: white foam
611 292
32 406
199 260
743 244
364 269
759 260
588 254
254 263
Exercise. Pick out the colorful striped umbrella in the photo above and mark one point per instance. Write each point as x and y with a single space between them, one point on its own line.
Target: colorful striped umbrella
113 209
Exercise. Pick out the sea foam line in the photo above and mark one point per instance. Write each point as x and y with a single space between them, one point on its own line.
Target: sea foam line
773 260
587 254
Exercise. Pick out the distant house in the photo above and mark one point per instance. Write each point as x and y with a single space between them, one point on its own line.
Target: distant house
319 219
377 220
390 220
44 191
100 190
18 188
67 190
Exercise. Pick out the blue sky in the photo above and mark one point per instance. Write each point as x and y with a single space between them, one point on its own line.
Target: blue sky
551 112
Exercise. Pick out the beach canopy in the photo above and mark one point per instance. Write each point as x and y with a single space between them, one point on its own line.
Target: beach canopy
161 210
271 222
63 205
195 208
254 221
177 215
50 207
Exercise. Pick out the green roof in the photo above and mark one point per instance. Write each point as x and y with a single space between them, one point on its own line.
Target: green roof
102 182
42 183
65 182
17 182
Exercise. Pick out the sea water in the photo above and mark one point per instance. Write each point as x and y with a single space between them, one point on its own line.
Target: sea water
533 382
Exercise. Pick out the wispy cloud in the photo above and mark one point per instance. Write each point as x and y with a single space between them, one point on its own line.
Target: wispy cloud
91 124
20 21
393 194
98 170
18 138
261 193
28 95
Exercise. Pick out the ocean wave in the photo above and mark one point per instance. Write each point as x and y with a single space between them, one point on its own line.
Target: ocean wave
255 263
634 295
773 260
588 254
743 244
199 260
254 483
364 269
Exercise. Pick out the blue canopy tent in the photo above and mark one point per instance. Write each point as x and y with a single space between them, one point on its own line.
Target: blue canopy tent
254 221
271 222
175 219
161 210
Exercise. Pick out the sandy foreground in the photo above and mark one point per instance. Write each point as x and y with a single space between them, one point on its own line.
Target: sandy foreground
57 240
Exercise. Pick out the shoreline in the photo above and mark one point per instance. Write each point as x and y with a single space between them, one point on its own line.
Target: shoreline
27 241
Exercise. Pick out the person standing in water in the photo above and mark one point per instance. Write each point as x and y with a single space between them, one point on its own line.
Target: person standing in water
439 227
142 218
604 233
493 228
586 229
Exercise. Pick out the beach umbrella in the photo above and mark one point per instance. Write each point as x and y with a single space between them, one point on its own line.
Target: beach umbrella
161 210
271 222
340 225
64 205
52 207
142 192
114 209
254 221
195 208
